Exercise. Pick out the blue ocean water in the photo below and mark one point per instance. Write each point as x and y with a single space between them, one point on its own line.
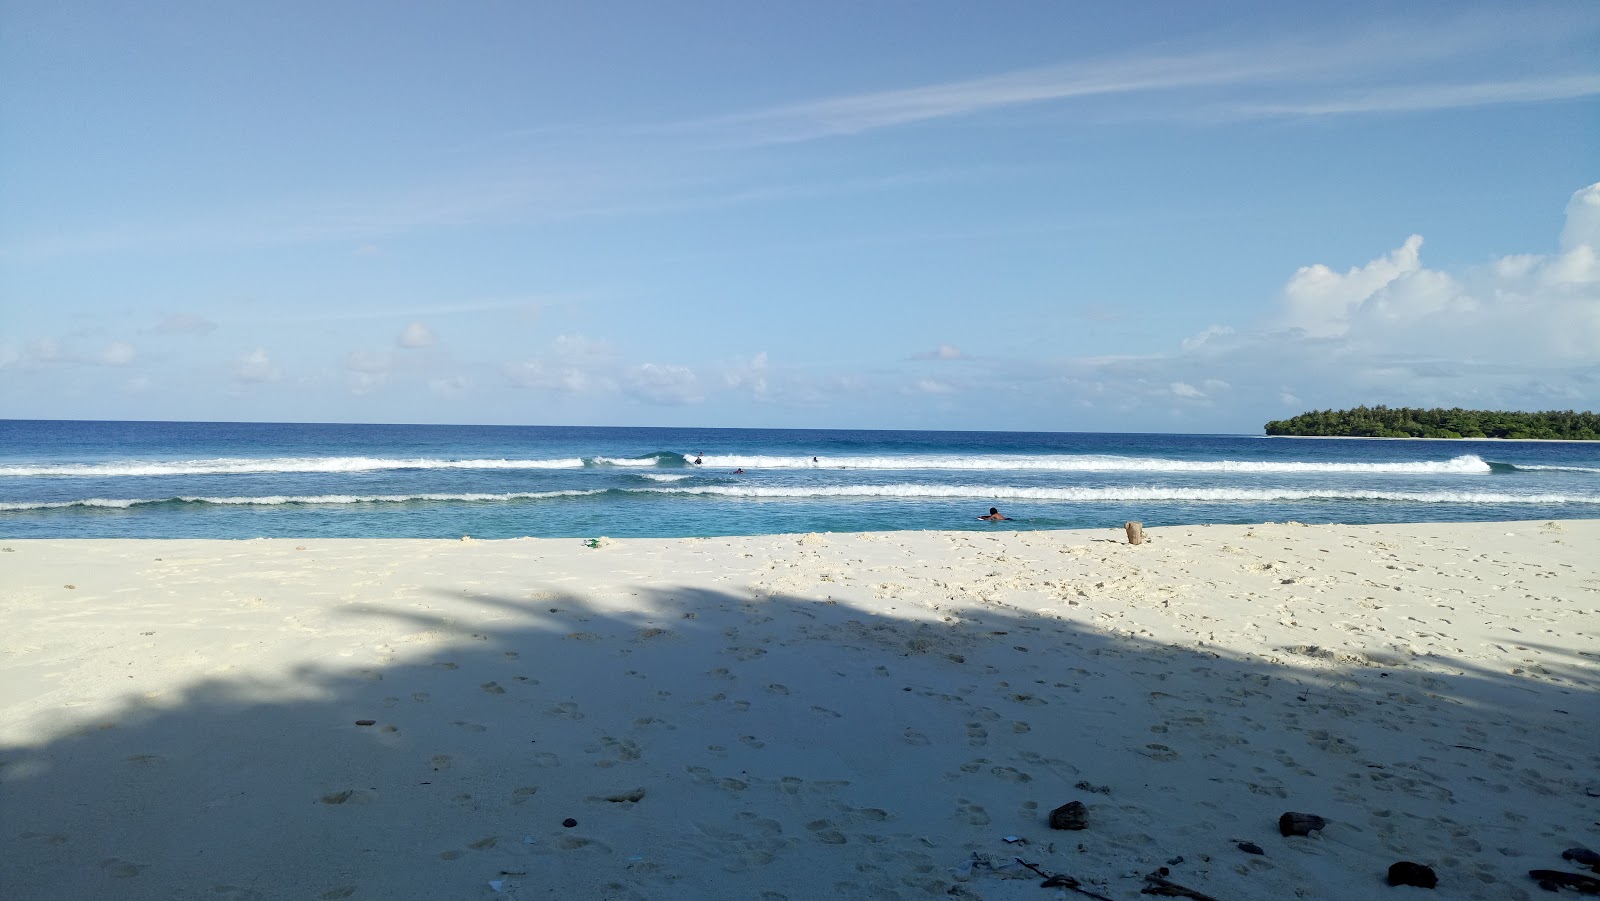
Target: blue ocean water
66 479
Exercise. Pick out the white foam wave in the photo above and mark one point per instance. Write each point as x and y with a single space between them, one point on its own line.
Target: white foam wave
662 478
282 499
627 461
1092 495
1467 464
1557 468
242 465
1070 495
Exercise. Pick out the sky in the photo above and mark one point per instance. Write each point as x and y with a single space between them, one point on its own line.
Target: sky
1030 216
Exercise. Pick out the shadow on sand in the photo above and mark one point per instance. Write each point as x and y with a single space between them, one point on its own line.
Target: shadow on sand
724 745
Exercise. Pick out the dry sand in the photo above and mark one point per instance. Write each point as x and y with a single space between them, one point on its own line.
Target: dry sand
819 716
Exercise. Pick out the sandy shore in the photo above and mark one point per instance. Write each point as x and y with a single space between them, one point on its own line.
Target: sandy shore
822 716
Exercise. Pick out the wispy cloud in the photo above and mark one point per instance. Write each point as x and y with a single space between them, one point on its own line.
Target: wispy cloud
1275 64
1422 97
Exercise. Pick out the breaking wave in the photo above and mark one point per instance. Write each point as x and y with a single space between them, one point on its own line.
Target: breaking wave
1068 495
246 465
1469 464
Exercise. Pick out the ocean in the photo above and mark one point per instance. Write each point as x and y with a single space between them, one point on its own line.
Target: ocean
68 479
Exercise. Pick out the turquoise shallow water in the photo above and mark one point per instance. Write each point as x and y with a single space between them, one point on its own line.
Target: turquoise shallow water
62 479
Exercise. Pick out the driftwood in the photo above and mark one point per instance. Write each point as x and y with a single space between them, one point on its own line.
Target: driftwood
1135 532
1063 881
1554 880
1159 885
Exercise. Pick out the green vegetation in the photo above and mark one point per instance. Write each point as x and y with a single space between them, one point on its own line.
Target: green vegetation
1404 422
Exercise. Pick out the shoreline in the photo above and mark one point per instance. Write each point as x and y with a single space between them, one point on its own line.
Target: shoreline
857 714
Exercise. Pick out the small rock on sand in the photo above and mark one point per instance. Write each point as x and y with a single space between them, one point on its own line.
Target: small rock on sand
1071 815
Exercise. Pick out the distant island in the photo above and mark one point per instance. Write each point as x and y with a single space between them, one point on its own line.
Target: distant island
1405 422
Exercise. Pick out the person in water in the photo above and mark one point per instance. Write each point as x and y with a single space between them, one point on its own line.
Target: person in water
697 460
738 472
994 516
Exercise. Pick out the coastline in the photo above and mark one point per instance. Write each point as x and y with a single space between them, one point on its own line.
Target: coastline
798 715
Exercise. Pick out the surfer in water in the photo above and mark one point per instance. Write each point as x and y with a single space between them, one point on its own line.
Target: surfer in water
994 516
697 460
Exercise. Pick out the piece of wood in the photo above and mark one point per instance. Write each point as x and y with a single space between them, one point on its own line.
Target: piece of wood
1135 532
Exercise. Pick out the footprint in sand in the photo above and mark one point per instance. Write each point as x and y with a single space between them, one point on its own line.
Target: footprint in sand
334 894
521 794
825 833
121 869
913 737
971 813
565 709
492 688
470 727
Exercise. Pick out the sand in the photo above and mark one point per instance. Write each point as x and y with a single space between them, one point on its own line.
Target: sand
817 716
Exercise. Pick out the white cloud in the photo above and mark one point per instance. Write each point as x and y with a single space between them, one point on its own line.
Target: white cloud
256 366
1518 332
662 384
1319 301
417 335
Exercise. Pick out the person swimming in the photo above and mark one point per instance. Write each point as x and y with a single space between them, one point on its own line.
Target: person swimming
994 516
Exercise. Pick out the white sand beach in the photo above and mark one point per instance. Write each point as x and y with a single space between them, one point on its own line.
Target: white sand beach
806 716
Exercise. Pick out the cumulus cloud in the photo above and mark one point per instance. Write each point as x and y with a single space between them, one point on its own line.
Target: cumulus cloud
931 386
256 366
416 335
942 352
663 384
1516 309
1517 332
1320 302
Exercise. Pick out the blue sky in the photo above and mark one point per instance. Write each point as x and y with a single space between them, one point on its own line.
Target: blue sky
1032 216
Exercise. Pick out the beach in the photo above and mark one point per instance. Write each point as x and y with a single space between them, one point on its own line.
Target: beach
817 715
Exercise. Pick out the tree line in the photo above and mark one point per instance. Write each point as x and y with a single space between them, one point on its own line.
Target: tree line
1405 422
